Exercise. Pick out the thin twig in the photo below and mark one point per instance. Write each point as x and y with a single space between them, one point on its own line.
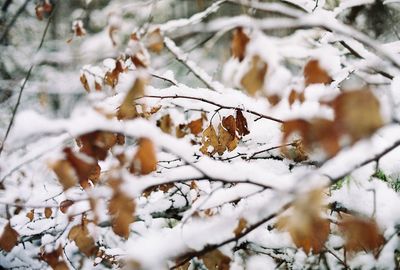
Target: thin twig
21 90
215 104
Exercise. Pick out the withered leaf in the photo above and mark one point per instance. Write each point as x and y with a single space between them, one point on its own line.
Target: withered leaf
155 41
253 80
313 73
242 225
64 205
241 124
357 113
180 131
165 123
84 82
196 126
128 110
305 225
273 99
111 77
209 141
216 260
78 28
361 234
9 238
54 259
145 159
65 173
121 208
296 96
83 168
31 214
97 143
239 43
48 212
316 132
82 238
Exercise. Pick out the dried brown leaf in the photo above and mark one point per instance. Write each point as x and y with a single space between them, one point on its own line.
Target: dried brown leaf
241 124
9 238
155 41
361 234
82 238
305 225
128 110
253 80
216 260
314 73
145 159
239 43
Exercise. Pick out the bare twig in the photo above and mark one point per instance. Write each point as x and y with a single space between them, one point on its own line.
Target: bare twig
215 104
14 112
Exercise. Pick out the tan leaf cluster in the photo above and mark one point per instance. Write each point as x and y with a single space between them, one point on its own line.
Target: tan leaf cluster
82 238
314 73
121 208
239 43
128 110
253 80
216 260
226 139
305 225
361 234
194 127
9 238
54 259
357 115
145 159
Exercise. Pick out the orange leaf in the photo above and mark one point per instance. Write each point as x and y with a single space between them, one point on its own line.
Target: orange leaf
196 126
313 73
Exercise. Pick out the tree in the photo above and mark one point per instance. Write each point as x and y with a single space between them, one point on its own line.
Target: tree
199 135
